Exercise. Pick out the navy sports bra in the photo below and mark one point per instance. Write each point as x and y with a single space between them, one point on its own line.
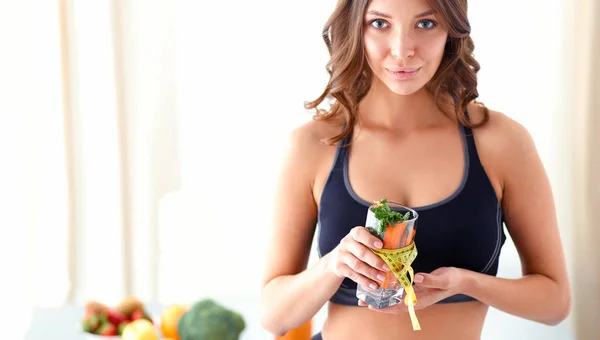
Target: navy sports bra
464 230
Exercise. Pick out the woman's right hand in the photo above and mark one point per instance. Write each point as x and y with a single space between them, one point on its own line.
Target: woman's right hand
353 259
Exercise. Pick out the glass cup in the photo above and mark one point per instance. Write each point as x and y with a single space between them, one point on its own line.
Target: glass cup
389 291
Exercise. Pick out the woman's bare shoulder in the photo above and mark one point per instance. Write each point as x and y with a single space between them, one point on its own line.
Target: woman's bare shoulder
501 135
308 138
501 143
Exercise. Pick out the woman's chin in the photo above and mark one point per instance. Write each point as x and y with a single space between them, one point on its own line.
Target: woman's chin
404 89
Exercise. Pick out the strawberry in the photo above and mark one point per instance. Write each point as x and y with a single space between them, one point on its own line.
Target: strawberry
107 329
115 317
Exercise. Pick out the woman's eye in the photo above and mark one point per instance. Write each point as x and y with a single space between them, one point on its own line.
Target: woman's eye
427 24
379 24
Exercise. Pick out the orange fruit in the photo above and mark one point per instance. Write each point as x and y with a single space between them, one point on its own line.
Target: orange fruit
169 318
303 332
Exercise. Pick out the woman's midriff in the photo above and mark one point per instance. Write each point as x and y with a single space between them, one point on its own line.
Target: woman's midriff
463 320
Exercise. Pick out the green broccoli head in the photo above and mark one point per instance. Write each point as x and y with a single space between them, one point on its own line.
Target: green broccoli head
207 320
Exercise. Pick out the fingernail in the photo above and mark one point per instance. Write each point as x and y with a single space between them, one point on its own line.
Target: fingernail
373 286
386 268
380 277
378 244
418 278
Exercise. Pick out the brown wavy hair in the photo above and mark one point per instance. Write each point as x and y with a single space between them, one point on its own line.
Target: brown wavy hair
453 85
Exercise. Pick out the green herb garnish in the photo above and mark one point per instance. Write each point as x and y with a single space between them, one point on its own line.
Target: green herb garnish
386 216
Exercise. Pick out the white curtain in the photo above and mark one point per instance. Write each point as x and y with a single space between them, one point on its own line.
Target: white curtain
122 140
33 195
586 167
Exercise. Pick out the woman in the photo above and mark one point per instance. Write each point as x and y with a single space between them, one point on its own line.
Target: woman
405 125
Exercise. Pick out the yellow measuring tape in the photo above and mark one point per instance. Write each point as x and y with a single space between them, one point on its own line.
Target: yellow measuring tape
399 261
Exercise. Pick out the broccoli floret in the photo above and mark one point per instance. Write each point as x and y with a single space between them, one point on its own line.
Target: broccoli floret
207 320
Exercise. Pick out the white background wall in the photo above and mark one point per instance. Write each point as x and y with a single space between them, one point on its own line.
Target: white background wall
243 72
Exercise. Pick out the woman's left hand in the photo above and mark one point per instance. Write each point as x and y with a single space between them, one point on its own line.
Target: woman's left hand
429 289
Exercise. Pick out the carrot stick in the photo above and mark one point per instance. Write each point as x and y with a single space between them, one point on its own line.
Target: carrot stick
392 236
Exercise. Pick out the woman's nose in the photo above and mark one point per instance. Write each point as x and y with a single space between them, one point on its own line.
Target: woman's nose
403 46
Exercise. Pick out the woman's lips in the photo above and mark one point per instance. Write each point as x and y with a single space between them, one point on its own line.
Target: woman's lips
403 74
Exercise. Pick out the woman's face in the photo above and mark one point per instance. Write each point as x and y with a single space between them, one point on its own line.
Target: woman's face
404 43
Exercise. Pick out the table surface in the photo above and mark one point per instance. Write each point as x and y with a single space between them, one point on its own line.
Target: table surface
64 323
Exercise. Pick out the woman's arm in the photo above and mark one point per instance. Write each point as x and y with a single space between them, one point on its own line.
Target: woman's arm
289 301
543 293
291 293
535 296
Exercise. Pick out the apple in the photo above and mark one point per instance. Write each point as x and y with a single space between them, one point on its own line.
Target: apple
140 329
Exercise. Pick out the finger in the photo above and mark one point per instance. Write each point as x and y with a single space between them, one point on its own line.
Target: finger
363 268
429 298
356 276
362 235
362 303
433 281
420 289
366 255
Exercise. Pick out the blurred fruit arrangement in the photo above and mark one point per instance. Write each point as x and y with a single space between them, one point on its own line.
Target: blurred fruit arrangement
129 315
203 320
